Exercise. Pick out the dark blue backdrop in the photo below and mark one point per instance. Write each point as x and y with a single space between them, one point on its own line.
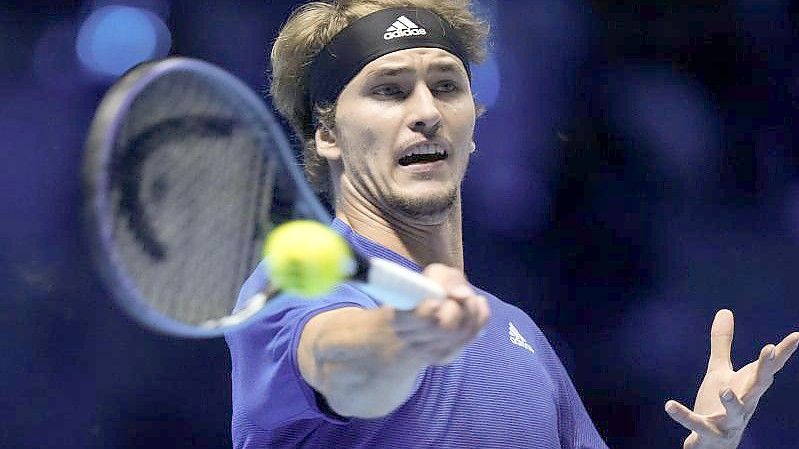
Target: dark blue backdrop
641 156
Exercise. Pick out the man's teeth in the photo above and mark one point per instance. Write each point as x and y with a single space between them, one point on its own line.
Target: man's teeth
422 154
426 149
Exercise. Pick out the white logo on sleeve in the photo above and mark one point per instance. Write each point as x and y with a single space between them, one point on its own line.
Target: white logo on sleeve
403 27
517 339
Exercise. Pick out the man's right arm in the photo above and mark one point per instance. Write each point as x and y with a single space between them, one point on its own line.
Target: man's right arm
365 361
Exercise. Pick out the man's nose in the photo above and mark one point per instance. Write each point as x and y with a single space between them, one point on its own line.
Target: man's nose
424 116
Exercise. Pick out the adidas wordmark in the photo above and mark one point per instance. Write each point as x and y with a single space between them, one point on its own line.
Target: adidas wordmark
403 27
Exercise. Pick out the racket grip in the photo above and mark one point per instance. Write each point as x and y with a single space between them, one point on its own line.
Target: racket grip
397 286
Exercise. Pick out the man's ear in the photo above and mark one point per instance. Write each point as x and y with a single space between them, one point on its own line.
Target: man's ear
327 144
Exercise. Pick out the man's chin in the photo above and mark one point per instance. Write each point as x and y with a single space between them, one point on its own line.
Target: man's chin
430 208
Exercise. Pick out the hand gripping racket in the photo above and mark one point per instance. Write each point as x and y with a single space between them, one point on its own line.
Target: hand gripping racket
186 172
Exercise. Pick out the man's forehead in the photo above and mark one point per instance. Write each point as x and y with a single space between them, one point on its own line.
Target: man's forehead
434 59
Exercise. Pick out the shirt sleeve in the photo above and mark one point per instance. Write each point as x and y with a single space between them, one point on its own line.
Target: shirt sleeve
267 387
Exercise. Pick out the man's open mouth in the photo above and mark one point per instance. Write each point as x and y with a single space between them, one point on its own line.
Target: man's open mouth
423 154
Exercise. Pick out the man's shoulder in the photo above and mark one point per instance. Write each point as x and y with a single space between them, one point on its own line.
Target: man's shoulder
504 307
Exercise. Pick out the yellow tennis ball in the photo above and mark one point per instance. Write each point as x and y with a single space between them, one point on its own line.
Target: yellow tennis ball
307 258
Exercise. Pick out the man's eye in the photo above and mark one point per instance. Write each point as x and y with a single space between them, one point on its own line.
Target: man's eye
446 87
387 91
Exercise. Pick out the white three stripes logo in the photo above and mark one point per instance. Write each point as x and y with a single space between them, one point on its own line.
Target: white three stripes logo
402 23
517 339
403 27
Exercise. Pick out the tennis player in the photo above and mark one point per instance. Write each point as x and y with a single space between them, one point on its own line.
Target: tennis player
379 93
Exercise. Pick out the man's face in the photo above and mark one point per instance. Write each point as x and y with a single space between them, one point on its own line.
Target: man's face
403 133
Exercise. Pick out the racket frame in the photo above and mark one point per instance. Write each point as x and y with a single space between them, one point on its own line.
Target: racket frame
99 151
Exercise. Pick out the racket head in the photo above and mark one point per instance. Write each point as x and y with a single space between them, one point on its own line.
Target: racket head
185 172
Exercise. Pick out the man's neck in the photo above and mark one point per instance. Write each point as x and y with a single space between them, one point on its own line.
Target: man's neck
422 243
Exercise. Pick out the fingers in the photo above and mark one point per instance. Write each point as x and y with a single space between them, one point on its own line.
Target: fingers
687 418
719 425
765 367
467 315
453 281
451 322
785 349
451 316
478 311
735 408
455 313
773 358
751 381
721 333
465 309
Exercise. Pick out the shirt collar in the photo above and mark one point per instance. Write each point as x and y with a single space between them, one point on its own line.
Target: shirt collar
370 248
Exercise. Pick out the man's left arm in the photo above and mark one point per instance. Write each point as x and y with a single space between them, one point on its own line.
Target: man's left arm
727 399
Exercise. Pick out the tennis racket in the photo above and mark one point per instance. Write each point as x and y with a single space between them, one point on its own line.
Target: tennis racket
185 173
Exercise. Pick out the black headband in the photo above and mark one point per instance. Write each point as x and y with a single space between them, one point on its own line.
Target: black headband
373 36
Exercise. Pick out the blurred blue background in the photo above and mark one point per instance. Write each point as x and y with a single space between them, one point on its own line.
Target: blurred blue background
642 156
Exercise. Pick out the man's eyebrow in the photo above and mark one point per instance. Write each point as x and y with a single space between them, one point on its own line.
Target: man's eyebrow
389 71
443 66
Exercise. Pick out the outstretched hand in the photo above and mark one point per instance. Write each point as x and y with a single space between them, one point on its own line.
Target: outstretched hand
727 399
436 331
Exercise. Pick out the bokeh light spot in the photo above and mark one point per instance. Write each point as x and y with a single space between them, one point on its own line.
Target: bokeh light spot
115 38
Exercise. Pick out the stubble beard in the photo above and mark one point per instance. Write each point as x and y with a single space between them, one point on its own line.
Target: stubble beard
428 208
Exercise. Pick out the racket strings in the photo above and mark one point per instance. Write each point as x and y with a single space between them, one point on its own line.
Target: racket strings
261 210
126 171
180 152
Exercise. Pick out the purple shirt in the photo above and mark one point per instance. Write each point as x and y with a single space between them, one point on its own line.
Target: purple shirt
507 389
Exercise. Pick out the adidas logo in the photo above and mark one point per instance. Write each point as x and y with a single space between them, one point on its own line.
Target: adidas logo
517 339
403 27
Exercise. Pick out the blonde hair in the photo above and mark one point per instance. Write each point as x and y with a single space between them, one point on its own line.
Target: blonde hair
312 26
